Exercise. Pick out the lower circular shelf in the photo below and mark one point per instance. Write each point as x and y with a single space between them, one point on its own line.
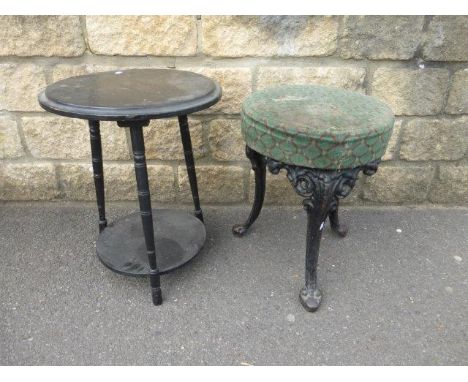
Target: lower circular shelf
178 237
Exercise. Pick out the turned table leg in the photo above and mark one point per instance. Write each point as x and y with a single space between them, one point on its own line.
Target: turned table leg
141 173
96 154
190 164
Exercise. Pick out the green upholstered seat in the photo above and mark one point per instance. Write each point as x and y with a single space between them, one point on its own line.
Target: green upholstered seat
316 126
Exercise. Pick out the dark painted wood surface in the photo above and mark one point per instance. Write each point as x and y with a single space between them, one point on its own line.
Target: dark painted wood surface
135 94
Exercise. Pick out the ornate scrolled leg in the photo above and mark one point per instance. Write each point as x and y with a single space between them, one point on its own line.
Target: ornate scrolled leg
190 164
96 154
337 227
310 295
259 167
321 190
341 229
144 198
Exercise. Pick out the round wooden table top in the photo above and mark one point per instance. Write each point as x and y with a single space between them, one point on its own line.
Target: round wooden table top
130 95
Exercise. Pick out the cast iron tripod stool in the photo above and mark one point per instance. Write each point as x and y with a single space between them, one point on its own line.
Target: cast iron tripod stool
321 190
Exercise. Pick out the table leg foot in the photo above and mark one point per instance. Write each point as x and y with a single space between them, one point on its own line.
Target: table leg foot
102 225
157 296
310 299
155 284
199 215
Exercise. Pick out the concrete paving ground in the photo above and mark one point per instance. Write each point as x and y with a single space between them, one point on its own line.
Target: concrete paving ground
390 297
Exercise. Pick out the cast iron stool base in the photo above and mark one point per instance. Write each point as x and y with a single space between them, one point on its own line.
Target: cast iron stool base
321 190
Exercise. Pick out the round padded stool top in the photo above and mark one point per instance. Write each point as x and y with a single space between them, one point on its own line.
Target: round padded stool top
316 126
135 94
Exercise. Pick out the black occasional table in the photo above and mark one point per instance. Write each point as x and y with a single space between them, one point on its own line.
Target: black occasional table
163 239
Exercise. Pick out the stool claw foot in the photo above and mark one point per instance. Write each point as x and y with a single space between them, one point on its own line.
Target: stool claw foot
239 230
340 229
310 299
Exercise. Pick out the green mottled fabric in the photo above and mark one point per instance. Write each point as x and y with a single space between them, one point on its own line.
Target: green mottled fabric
316 126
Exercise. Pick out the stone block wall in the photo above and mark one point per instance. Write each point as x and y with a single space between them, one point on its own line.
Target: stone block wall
418 65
